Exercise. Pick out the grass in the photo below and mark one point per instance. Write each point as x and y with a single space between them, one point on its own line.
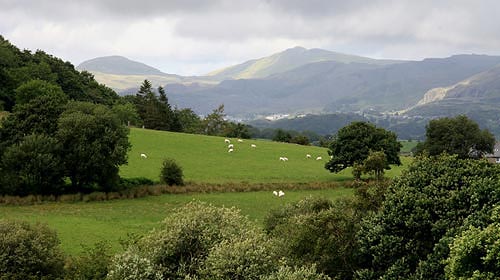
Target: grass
87 223
205 159
408 146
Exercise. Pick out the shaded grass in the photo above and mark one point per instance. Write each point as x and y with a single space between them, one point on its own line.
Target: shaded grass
87 223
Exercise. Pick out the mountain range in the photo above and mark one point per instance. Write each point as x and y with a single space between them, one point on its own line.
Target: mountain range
314 81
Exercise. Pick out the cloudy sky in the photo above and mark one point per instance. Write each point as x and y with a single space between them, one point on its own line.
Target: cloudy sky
197 36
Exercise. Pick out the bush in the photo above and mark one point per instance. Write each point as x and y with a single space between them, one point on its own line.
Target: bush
29 251
301 273
180 248
91 265
248 257
171 173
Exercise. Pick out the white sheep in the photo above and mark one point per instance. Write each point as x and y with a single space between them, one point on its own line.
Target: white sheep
308 156
227 141
285 158
275 193
230 150
144 156
253 146
239 140
282 158
319 158
230 146
281 193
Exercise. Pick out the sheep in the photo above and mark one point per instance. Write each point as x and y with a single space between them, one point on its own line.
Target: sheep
144 156
230 146
253 146
308 156
275 193
282 159
230 150
239 140
285 158
227 141
281 193
319 158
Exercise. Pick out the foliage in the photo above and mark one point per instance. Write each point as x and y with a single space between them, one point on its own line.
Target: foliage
459 135
296 273
237 130
92 264
180 248
126 113
214 123
423 210
353 144
29 251
300 139
251 256
94 144
34 166
171 173
131 266
190 121
475 253
282 136
375 164
34 88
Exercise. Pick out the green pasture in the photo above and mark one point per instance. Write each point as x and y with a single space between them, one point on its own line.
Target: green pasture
87 223
408 146
205 159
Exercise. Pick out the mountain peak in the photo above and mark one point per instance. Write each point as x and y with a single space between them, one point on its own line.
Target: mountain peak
118 65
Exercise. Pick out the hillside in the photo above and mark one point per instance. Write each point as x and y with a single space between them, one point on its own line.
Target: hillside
118 65
205 159
332 86
288 60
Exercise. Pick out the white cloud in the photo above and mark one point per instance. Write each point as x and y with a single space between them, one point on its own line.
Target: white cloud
195 37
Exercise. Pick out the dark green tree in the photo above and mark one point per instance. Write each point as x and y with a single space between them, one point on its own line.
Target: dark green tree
171 173
33 166
353 144
459 135
424 210
94 143
127 113
282 136
375 164
237 130
189 120
35 88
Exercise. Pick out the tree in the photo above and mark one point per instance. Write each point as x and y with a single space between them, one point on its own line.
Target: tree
237 130
214 123
171 173
127 113
94 143
189 120
459 135
33 166
282 136
425 208
375 163
353 144
34 88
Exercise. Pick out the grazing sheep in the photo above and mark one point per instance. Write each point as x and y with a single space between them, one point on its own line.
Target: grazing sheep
319 158
282 158
230 150
230 146
308 156
285 158
275 193
239 140
253 146
281 193
227 141
144 156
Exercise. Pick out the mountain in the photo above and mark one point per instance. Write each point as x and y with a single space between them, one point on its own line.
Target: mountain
330 86
118 65
478 95
288 60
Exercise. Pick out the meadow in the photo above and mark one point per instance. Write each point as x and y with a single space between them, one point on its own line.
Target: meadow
205 160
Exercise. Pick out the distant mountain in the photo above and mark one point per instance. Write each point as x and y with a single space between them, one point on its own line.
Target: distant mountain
328 86
288 60
118 65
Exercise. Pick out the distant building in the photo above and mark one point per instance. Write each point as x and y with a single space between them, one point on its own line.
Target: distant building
495 156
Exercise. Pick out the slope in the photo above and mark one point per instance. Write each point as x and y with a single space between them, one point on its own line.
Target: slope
288 60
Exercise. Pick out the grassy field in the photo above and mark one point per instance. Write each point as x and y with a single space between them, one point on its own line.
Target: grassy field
205 159
408 146
87 223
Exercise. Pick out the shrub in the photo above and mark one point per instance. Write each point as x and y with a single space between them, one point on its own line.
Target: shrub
181 246
91 265
248 257
29 251
171 173
301 273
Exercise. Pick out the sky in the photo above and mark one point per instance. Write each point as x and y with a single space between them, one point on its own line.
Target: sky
194 37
